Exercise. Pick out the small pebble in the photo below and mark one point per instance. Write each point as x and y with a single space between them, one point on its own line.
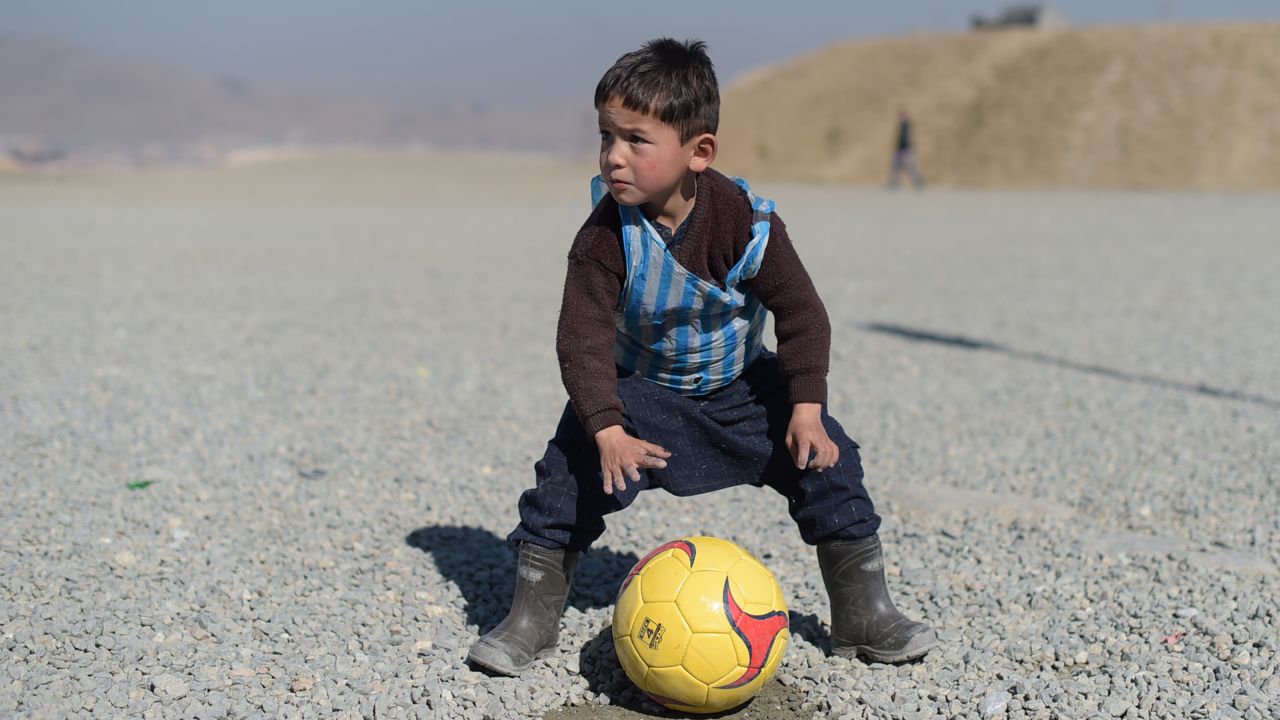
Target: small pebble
994 703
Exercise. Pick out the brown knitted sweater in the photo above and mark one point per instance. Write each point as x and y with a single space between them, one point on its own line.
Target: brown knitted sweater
716 234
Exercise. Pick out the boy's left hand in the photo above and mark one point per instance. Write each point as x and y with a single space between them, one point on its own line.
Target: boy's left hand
806 433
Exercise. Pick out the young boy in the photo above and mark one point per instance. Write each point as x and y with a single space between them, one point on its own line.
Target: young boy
661 351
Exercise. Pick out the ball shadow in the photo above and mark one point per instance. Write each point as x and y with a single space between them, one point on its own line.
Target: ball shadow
598 663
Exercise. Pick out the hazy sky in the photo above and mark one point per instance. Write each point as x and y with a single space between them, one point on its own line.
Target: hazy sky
507 53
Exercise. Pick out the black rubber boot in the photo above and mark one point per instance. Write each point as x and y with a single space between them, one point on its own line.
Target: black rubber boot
864 621
532 627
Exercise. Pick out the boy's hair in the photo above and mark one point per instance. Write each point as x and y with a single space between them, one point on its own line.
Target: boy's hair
670 80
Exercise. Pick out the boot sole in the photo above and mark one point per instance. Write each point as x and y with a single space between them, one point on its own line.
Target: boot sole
916 648
490 657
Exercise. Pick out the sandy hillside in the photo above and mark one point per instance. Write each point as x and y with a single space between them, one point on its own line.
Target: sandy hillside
1190 106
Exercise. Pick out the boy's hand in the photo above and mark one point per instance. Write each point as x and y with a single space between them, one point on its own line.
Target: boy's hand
621 456
806 433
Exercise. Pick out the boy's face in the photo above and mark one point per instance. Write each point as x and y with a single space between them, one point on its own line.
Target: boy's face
642 159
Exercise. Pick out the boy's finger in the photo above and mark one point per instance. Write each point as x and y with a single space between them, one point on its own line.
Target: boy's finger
652 462
608 482
658 450
818 458
802 455
822 459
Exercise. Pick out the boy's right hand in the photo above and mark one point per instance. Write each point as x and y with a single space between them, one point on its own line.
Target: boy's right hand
621 456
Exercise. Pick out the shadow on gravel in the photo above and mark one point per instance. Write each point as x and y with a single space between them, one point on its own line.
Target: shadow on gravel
599 665
810 628
483 568
959 341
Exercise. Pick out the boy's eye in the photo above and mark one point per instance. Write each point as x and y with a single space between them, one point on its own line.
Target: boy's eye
637 140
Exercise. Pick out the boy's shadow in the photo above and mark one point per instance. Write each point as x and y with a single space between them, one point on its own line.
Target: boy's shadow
483 568
810 628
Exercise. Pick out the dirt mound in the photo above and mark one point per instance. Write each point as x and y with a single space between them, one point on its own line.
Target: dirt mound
1169 106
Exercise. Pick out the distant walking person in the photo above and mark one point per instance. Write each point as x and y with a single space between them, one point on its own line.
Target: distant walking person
904 154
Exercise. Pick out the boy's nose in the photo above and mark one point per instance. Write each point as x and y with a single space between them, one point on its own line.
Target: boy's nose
613 155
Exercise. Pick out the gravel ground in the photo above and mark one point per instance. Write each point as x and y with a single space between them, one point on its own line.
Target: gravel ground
262 431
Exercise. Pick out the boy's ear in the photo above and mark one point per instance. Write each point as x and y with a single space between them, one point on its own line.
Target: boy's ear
704 151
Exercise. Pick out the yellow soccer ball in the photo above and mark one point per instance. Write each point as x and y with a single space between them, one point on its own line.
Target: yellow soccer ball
700 625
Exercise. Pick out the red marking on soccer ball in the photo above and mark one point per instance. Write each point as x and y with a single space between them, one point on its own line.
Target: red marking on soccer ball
758 632
688 548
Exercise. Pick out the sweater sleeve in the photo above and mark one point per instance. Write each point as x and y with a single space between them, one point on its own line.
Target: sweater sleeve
800 319
585 334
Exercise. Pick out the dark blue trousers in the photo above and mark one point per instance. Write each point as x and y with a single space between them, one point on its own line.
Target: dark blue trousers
734 436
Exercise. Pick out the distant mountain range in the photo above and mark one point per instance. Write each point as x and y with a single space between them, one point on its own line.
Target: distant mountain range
1160 106
66 104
